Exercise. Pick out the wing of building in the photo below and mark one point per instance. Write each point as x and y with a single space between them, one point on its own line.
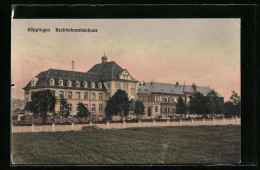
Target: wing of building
94 87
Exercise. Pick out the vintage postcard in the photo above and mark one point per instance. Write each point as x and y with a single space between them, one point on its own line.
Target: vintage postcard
125 91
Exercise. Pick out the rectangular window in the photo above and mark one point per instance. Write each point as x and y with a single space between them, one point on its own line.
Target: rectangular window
69 94
26 91
93 96
133 86
117 86
61 94
108 96
126 87
100 96
70 107
86 95
77 95
148 98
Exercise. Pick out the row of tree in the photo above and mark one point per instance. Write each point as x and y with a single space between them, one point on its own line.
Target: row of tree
210 104
43 102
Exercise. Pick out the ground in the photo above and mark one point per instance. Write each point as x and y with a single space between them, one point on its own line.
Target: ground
152 145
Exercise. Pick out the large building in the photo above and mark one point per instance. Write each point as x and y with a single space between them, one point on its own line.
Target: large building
94 87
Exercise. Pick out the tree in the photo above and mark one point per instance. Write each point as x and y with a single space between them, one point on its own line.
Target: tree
64 108
118 105
216 104
42 102
233 106
180 106
82 111
199 104
138 108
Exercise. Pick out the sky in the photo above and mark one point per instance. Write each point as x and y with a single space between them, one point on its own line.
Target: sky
201 51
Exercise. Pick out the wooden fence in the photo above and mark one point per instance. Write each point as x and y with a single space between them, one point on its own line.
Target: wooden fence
127 124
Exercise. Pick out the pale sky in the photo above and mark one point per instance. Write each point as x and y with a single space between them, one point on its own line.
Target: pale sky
201 51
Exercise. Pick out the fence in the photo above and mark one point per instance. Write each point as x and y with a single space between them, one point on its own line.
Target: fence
126 124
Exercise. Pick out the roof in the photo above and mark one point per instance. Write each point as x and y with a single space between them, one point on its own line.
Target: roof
65 75
154 87
109 71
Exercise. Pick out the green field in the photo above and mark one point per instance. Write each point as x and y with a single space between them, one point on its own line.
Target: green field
161 145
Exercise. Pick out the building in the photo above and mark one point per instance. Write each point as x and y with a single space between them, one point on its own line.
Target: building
94 87
161 98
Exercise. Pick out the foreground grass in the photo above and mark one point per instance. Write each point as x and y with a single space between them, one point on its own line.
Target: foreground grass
156 145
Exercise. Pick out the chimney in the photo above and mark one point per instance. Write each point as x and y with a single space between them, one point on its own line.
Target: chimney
143 83
72 65
177 83
104 60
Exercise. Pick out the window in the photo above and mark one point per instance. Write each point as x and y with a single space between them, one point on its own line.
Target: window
148 98
77 108
92 85
86 84
165 109
101 108
70 107
77 95
86 95
143 98
167 99
60 82
61 108
69 94
133 86
161 109
77 84
161 98
86 105
126 87
61 94
100 96
117 86
34 81
108 96
168 109
26 91
100 85
69 83
93 96
156 109
51 81
93 108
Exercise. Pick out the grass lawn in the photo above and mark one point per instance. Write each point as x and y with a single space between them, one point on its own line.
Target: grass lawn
153 145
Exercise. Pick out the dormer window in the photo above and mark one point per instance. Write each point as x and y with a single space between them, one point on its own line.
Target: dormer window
51 81
60 82
92 85
100 85
34 81
69 83
85 84
77 84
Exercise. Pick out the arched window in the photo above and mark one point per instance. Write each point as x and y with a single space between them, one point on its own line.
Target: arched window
69 83
60 82
92 85
156 108
77 84
51 82
101 108
93 108
34 81
100 85
100 96
85 84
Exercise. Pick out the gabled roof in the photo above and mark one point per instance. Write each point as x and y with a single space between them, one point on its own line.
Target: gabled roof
153 87
108 71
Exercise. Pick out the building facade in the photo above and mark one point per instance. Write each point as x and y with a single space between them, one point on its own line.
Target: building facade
96 86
